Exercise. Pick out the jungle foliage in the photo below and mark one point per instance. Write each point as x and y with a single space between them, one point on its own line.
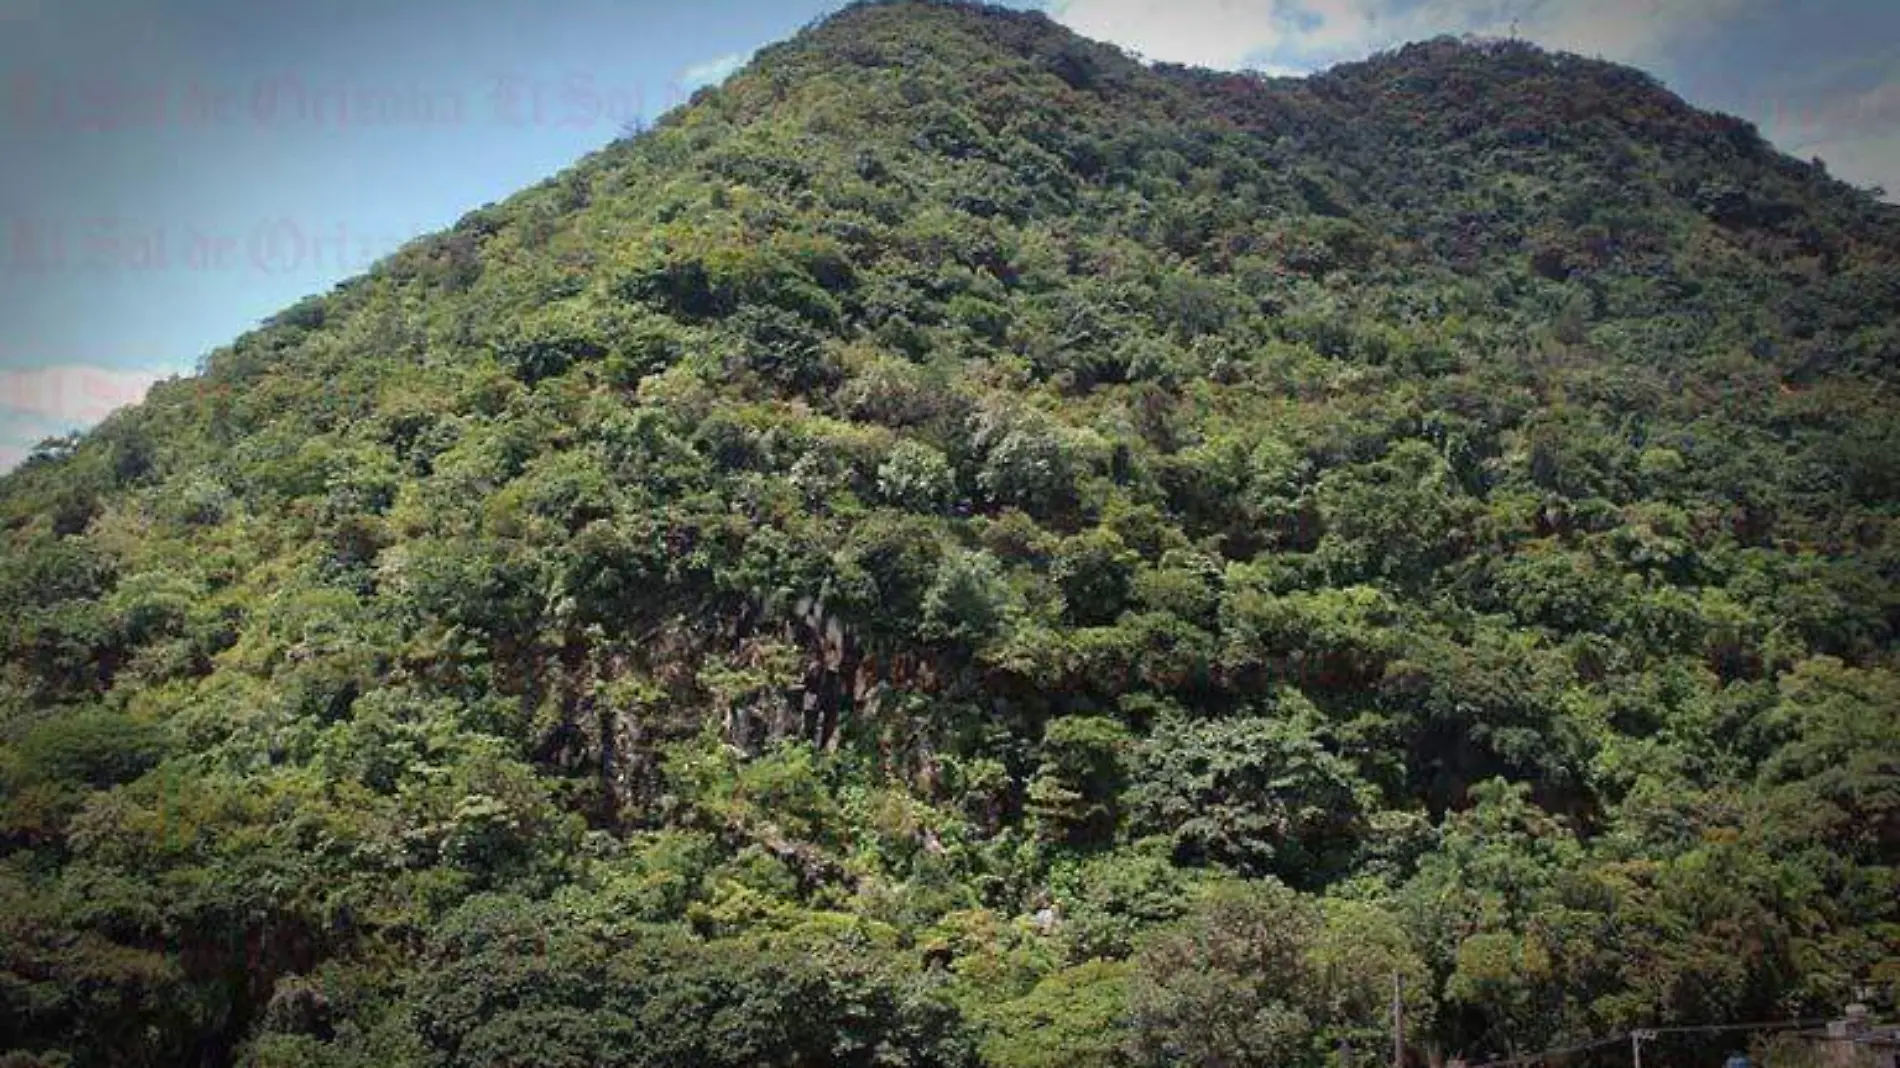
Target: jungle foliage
958 547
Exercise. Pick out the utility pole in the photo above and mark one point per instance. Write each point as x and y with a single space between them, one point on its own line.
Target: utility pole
1637 1038
1398 1022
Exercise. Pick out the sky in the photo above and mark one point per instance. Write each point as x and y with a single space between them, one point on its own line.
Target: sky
171 174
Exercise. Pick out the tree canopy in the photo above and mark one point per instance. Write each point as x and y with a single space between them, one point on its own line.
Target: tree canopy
960 547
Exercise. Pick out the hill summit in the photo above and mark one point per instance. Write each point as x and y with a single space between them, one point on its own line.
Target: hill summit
959 547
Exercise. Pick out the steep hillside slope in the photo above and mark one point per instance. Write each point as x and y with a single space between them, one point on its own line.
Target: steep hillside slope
959 547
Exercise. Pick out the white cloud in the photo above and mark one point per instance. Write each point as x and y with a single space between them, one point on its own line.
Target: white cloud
1628 31
1865 161
1302 35
1822 117
711 72
1202 33
1857 135
19 434
50 401
71 394
1329 26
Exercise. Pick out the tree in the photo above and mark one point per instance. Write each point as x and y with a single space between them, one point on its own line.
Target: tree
1231 984
1075 794
1262 796
1843 728
1075 1017
969 602
1399 517
1094 571
916 477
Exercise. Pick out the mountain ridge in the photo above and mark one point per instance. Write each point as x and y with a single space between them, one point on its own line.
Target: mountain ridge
959 547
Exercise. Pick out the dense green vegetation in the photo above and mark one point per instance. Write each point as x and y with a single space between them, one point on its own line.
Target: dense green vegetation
960 548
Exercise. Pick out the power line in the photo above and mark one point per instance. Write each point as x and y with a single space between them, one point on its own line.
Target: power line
1644 1034
1703 1028
1526 1058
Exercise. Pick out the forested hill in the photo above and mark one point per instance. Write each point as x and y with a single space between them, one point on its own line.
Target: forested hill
958 547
